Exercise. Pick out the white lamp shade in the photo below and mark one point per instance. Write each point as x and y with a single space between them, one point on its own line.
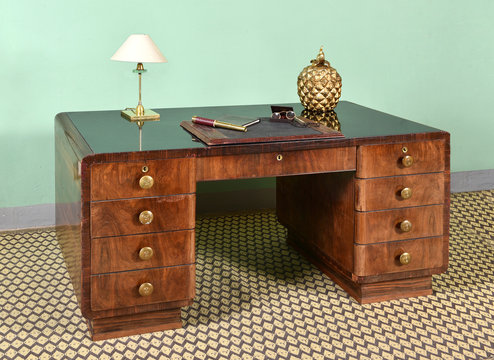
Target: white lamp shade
139 48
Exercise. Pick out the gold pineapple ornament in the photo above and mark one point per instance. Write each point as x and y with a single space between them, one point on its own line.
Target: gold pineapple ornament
319 85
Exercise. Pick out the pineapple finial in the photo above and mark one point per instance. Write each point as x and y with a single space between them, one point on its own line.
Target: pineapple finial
320 60
320 56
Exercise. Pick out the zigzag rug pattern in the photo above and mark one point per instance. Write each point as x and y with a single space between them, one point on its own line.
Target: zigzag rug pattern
259 299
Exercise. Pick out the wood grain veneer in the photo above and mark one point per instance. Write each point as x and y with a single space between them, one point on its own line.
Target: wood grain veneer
367 289
385 159
121 179
121 217
238 167
111 254
86 203
384 193
394 289
318 209
277 163
383 226
382 258
70 150
126 325
318 161
121 290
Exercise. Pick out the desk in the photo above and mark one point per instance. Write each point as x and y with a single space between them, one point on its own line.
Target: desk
371 210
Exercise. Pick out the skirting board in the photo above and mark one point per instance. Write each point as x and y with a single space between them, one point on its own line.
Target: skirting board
26 217
472 180
38 216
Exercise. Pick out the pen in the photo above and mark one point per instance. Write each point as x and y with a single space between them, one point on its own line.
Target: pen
253 122
300 121
215 123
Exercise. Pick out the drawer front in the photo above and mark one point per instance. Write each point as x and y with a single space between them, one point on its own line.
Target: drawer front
384 258
389 160
121 217
390 192
398 224
274 164
121 290
237 166
318 161
123 180
142 251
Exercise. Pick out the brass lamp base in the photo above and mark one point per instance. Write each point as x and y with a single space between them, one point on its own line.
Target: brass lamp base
149 115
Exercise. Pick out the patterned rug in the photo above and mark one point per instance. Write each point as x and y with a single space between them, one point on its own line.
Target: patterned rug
258 299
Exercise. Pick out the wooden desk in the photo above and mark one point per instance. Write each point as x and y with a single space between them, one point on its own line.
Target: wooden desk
371 210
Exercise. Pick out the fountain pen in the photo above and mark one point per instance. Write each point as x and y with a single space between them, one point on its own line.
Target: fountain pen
215 123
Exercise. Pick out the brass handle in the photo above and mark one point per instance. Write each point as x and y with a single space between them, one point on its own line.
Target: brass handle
406 226
405 258
407 161
146 217
279 157
146 289
146 253
146 182
406 193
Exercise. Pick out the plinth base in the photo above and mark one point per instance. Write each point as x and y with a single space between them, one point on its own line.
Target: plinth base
149 115
365 292
118 326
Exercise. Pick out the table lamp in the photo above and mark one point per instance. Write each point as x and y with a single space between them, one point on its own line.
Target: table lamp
139 48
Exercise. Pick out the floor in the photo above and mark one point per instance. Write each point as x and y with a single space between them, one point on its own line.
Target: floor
258 299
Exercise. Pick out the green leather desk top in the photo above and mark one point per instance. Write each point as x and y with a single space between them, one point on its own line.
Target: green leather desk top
107 132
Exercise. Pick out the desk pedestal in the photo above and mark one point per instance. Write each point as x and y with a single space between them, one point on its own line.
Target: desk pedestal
364 231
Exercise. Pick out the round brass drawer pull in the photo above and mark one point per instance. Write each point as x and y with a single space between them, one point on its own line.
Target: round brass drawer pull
146 289
407 160
406 226
146 253
405 258
406 193
146 217
146 182
279 157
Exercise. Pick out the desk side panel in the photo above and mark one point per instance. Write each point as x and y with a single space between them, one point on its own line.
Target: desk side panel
447 201
318 213
70 149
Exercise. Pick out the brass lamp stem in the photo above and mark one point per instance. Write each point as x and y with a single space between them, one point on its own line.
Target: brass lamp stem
140 124
140 80
137 114
140 108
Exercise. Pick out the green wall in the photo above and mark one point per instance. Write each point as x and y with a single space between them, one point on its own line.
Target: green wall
426 60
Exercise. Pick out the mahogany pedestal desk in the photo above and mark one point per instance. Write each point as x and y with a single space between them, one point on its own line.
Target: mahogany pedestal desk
370 209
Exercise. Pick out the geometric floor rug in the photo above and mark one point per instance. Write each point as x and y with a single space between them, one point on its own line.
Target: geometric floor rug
257 298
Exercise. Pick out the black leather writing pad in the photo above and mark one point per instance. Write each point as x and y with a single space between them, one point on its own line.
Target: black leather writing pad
265 131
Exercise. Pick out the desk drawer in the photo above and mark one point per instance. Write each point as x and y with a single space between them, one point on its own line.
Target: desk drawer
122 217
274 164
121 290
318 161
400 159
384 258
398 224
391 192
145 178
134 252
